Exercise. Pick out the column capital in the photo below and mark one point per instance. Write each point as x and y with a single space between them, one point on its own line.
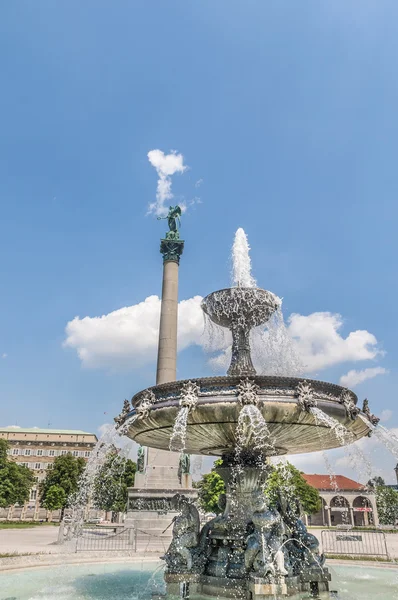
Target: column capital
171 249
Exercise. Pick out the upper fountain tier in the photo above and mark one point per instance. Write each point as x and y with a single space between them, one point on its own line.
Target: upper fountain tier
240 309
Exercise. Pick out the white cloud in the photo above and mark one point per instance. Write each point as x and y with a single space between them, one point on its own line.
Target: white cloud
353 378
166 165
4 355
128 337
385 415
198 183
320 344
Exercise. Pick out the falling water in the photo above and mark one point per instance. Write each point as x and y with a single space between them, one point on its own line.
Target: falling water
252 430
273 350
241 262
386 437
79 501
342 434
357 458
179 434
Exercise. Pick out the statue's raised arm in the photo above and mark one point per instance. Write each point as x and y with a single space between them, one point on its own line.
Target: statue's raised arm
173 217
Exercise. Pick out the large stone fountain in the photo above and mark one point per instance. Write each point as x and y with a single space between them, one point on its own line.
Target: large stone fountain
253 549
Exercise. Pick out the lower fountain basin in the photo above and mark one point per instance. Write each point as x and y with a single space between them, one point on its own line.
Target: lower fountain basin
212 421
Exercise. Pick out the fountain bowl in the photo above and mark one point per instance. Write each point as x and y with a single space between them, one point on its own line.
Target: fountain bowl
246 306
213 415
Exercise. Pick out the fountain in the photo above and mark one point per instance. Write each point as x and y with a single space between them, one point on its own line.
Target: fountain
253 549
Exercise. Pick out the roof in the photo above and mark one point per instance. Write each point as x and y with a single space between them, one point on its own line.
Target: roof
15 429
325 482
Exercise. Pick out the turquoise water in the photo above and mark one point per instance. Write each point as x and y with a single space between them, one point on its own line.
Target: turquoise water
137 581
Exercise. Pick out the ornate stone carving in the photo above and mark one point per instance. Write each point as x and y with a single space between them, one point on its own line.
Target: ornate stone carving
263 553
347 401
119 420
161 505
189 395
305 396
147 400
248 391
366 410
171 250
180 556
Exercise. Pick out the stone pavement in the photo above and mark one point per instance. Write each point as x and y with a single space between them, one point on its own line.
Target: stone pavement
30 540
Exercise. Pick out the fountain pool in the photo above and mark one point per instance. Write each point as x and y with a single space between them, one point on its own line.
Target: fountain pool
138 581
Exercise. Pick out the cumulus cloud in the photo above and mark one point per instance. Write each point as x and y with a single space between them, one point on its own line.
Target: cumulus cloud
128 337
353 378
321 345
166 166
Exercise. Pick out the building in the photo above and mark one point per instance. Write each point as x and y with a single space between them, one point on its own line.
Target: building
37 449
344 502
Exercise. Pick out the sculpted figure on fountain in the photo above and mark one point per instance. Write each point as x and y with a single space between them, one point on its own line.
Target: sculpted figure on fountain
186 525
264 554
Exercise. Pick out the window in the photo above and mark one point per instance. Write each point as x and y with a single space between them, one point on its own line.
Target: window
15 451
39 453
27 452
48 466
87 453
75 453
63 452
37 465
51 453
33 494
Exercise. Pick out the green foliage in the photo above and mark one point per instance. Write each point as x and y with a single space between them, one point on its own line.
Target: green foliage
376 481
283 479
15 480
210 487
387 505
55 498
287 481
111 483
65 473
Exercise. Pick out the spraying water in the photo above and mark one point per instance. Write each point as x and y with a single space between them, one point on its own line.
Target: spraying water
241 262
252 430
179 434
386 437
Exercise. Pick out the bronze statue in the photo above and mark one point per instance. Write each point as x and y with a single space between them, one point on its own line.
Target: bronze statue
141 459
173 217
186 527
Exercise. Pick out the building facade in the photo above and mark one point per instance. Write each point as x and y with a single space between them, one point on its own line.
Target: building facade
37 449
344 502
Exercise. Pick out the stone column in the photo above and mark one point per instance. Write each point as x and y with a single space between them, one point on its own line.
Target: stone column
149 501
167 349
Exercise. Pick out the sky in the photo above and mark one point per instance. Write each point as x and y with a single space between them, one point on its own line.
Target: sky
276 117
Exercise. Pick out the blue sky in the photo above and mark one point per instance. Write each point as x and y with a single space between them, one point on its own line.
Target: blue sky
286 113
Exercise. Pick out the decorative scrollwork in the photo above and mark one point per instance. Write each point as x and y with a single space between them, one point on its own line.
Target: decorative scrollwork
366 410
119 420
305 396
148 398
247 391
346 399
189 395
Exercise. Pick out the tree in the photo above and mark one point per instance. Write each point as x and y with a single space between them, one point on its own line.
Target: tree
65 474
55 498
15 480
283 479
210 488
387 504
111 483
376 481
286 480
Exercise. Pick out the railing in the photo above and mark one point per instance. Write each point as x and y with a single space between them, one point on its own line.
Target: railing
109 539
354 543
